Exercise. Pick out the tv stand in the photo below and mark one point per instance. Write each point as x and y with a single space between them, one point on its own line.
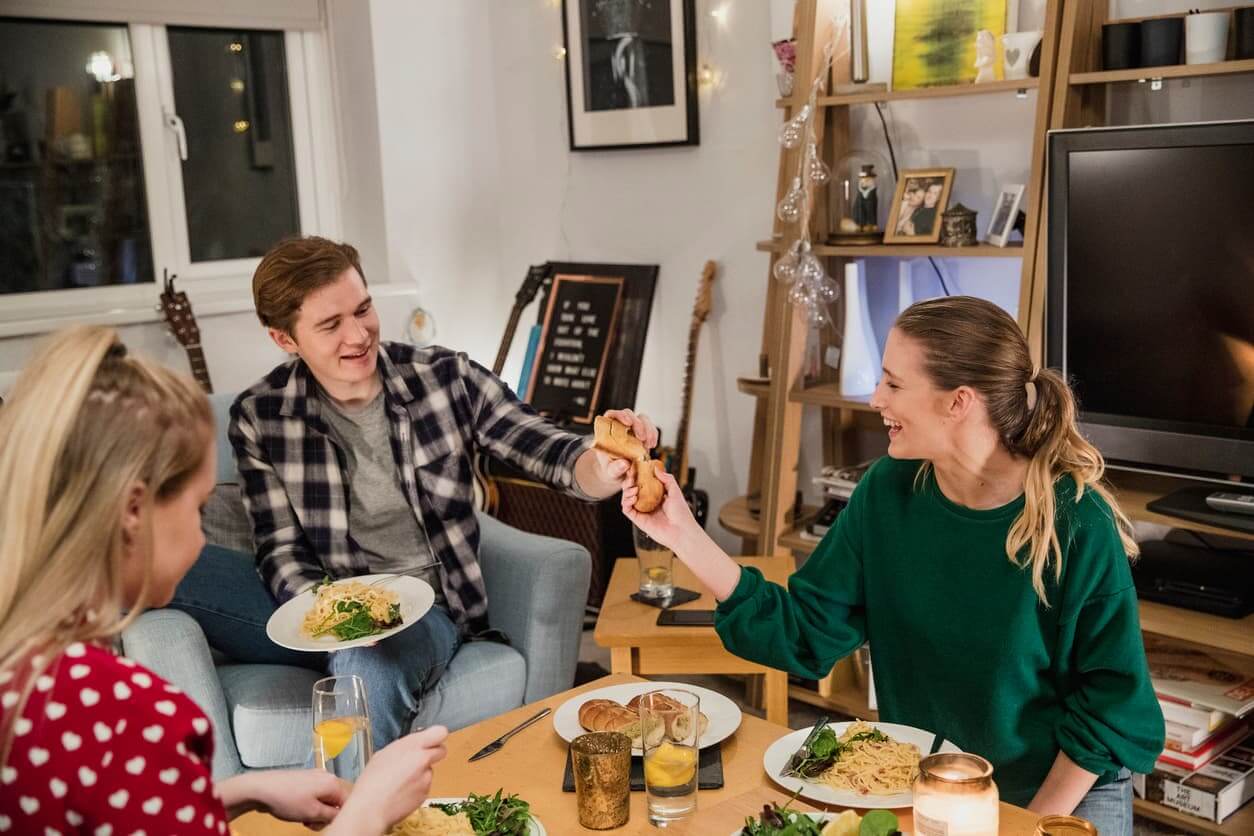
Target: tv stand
1189 503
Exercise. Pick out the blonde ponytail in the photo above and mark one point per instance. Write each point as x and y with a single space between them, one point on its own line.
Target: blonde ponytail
83 423
972 342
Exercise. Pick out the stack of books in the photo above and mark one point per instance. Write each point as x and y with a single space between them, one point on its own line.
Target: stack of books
1207 767
837 484
1196 735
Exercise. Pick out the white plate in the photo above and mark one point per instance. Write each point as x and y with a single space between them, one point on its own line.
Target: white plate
776 758
537 829
724 714
283 628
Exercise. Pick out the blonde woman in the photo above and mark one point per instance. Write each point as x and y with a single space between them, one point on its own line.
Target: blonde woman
985 563
105 461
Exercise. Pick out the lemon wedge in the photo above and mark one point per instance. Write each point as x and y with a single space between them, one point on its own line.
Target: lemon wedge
670 766
333 735
846 824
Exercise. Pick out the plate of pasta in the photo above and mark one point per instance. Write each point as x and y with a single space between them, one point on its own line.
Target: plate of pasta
337 615
475 815
857 764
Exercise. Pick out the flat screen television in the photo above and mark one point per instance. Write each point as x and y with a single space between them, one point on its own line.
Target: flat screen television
1150 304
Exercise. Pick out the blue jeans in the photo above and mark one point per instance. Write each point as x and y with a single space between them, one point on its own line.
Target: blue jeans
225 595
1109 807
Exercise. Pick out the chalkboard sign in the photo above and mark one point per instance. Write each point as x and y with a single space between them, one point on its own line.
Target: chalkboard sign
580 324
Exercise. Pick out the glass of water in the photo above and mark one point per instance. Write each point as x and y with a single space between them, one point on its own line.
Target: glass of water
341 732
656 562
670 723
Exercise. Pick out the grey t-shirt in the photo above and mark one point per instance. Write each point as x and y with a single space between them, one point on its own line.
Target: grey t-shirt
380 518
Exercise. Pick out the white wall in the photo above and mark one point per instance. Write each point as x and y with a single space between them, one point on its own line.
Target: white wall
439 136
675 207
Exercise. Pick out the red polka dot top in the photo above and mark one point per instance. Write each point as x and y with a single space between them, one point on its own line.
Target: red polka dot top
108 748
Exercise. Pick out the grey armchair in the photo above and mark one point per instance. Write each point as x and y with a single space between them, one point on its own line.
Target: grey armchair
536 588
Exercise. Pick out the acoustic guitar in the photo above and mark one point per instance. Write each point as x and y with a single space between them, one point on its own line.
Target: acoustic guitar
182 324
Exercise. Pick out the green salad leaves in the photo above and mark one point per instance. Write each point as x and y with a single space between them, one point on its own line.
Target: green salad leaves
359 623
775 820
492 815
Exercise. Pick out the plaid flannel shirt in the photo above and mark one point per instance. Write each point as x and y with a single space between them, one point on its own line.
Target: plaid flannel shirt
441 407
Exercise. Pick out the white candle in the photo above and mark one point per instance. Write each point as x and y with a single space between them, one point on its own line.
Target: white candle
955 795
955 815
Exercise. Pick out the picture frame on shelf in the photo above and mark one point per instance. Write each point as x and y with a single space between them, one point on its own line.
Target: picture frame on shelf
631 79
914 216
1005 211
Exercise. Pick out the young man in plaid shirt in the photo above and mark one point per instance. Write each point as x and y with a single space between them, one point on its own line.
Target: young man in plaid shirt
354 458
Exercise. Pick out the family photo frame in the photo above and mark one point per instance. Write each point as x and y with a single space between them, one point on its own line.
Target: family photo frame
921 196
631 79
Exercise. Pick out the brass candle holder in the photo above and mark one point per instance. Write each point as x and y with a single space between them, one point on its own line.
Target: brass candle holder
601 762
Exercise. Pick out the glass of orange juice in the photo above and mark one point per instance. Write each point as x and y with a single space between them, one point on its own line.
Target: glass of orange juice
670 725
341 730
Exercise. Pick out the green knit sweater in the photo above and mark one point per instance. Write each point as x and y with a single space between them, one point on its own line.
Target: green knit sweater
960 643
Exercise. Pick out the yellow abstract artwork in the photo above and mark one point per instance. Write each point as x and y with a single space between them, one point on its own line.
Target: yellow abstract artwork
934 40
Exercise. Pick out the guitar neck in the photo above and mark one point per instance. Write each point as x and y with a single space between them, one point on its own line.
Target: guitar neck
200 371
681 437
510 328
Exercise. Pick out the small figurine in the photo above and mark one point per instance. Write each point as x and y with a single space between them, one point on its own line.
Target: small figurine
985 54
865 201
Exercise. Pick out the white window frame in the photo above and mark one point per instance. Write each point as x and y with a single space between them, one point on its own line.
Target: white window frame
213 286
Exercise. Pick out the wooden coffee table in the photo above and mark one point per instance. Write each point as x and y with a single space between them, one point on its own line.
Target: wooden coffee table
638 646
532 764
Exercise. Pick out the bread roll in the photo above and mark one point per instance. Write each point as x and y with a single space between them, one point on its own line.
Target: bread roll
674 714
607 715
615 438
652 491
677 728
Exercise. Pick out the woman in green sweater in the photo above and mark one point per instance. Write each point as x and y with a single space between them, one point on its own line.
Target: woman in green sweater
985 563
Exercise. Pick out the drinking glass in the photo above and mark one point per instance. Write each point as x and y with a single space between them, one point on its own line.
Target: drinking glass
601 762
670 723
341 726
656 561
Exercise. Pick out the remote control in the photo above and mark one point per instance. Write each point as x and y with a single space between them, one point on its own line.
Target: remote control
1233 503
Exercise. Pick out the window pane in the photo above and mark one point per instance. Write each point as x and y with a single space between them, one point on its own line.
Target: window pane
239 180
72 209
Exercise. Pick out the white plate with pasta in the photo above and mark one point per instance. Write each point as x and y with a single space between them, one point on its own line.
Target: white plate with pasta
350 612
883 769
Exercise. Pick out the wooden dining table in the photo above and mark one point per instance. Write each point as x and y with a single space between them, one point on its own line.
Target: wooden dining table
533 762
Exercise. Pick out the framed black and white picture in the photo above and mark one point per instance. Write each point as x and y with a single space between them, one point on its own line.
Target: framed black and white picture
1005 211
630 73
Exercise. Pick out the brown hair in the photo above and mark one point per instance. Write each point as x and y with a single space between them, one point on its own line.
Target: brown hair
293 269
65 476
971 342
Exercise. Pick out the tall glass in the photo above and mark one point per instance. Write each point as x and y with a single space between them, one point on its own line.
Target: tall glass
341 726
670 723
656 563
